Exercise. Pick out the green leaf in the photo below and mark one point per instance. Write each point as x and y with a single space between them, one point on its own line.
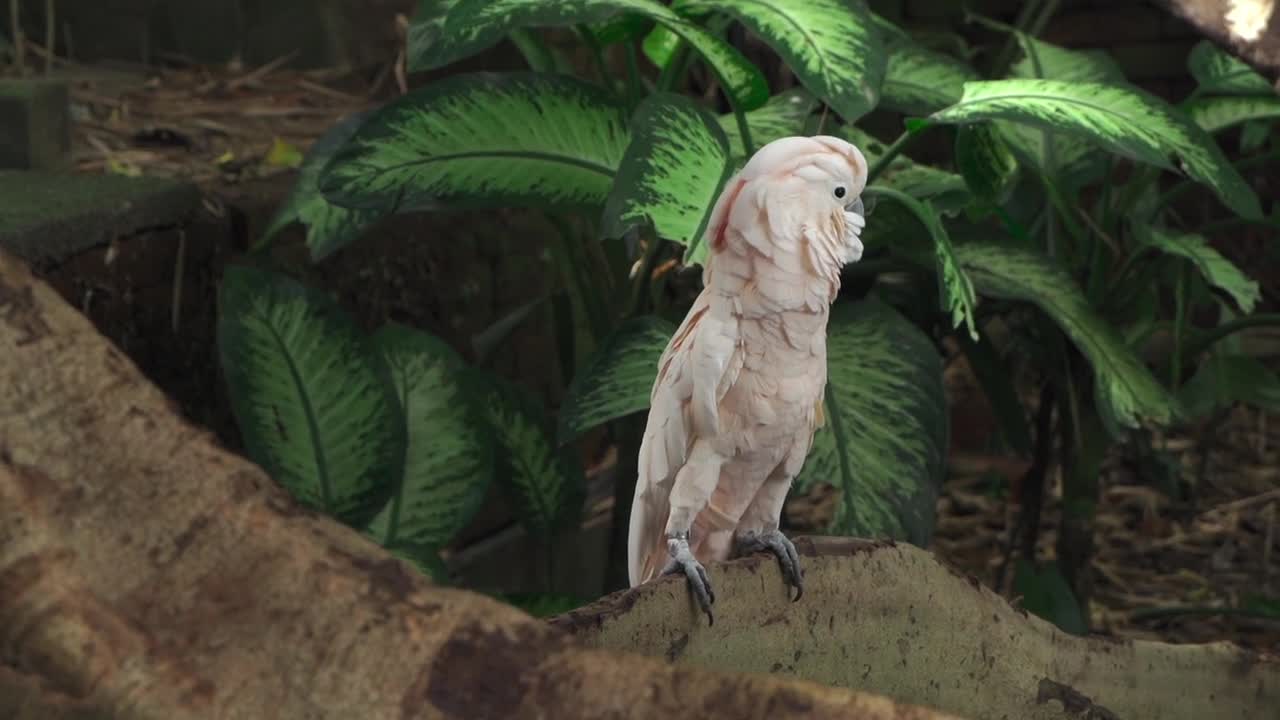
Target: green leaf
672 172
426 30
919 81
884 443
831 45
1224 379
618 379
946 191
954 287
545 482
1126 392
1218 72
1219 113
329 227
741 80
427 560
309 394
1126 121
1046 60
448 459
783 116
483 140
660 45
988 166
1215 268
539 56
1046 593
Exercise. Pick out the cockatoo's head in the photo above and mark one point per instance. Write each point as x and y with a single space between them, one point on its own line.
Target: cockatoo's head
799 189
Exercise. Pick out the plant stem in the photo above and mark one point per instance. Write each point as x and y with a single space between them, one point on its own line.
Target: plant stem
743 129
1027 15
894 150
1080 491
635 90
50 36
675 68
1209 337
597 54
1179 325
15 29
1026 530
640 284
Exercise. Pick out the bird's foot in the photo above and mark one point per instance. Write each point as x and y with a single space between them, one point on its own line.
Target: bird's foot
782 548
683 562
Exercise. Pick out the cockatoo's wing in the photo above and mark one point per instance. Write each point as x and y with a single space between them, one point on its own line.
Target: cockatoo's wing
694 373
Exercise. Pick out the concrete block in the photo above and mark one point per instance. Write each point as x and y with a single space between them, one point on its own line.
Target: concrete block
35 124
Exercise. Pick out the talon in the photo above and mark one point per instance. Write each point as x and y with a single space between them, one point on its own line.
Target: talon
782 548
683 562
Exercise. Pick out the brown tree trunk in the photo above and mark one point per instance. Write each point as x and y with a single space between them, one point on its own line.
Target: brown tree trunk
147 573
1248 29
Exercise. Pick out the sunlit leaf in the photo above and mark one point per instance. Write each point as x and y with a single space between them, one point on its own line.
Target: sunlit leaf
1219 113
1219 72
483 140
671 174
1124 120
832 46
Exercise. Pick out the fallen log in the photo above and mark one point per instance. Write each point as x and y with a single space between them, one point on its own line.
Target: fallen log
893 619
147 573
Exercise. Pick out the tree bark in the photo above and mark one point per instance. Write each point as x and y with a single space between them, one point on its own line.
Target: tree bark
893 619
1248 29
147 573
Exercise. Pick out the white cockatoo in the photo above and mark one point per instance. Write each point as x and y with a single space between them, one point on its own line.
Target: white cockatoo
740 385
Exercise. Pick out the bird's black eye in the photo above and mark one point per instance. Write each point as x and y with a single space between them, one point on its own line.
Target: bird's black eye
839 191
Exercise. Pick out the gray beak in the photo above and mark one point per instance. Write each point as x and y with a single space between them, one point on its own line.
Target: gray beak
856 207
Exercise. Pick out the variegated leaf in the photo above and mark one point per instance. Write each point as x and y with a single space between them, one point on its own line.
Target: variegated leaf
448 459
309 394
1126 121
1214 114
483 140
884 441
1220 73
919 81
1215 268
832 46
673 170
619 378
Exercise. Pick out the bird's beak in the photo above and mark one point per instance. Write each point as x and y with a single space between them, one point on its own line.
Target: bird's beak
856 207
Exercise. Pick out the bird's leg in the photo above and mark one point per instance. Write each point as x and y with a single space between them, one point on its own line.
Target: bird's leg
773 541
683 562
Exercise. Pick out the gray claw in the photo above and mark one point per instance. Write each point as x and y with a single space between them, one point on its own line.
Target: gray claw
683 562
782 548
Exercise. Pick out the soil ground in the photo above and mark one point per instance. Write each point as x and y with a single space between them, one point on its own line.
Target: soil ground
1166 563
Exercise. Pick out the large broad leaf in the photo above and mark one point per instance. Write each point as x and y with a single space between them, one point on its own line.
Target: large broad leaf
619 378
477 24
545 481
1224 379
884 442
1071 160
783 116
1126 391
329 227
946 191
1219 113
309 394
426 30
954 287
1215 268
1217 72
448 460
831 45
986 162
919 81
1125 120
672 172
483 140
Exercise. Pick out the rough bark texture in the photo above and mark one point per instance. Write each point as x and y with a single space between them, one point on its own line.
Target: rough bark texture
147 573
1248 29
893 619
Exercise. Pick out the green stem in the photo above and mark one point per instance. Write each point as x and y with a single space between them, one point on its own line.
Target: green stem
882 163
673 73
743 129
635 89
1002 60
1179 325
15 29
1208 338
640 285
597 54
